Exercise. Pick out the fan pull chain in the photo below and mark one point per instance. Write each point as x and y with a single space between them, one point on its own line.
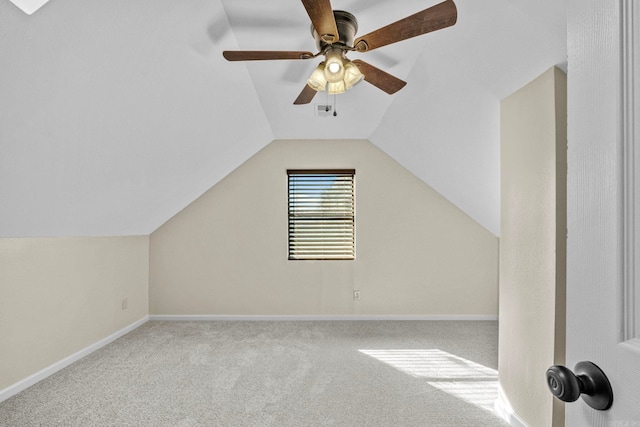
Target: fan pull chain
335 113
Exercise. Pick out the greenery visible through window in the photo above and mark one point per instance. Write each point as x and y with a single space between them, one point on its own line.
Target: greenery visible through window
321 214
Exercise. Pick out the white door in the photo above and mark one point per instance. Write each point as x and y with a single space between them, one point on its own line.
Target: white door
603 246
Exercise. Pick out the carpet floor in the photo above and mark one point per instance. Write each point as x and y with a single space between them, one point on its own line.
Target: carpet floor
275 374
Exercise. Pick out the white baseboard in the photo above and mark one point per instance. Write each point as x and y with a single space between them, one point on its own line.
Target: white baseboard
21 385
504 411
226 317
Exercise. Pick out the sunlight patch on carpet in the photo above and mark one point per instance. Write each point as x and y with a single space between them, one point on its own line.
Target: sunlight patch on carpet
462 378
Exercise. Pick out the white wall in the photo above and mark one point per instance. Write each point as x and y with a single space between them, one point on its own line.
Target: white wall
416 253
60 295
533 245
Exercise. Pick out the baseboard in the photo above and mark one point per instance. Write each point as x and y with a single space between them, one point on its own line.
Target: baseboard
225 317
504 411
21 385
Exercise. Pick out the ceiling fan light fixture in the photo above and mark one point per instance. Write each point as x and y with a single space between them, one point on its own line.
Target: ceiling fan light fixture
334 67
352 75
337 87
317 81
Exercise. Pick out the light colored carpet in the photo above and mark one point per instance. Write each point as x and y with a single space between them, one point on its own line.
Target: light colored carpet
275 374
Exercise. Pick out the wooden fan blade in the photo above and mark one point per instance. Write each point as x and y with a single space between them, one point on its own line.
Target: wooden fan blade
380 79
261 55
322 18
434 18
305 96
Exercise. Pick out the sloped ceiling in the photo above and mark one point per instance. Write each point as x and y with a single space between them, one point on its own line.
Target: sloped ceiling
29 6
115 115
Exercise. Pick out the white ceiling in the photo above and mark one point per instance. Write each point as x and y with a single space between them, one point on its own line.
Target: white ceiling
115 115
29 6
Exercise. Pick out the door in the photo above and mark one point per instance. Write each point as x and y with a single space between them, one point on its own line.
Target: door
603 220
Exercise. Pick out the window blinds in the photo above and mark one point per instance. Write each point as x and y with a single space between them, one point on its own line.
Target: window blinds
321 214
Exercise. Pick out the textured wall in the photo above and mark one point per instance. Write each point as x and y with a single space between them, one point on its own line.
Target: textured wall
416 253
60 295
533 245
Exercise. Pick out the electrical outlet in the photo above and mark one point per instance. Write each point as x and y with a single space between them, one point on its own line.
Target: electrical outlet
356 295
125 303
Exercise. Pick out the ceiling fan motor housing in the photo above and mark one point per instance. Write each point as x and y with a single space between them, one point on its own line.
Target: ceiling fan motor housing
347 28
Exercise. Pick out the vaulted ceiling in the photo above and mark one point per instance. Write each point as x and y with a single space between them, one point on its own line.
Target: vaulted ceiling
115 115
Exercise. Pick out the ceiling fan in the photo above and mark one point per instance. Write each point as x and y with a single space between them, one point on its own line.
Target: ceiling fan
334 32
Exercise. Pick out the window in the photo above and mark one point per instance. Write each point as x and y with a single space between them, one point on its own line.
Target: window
321 214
